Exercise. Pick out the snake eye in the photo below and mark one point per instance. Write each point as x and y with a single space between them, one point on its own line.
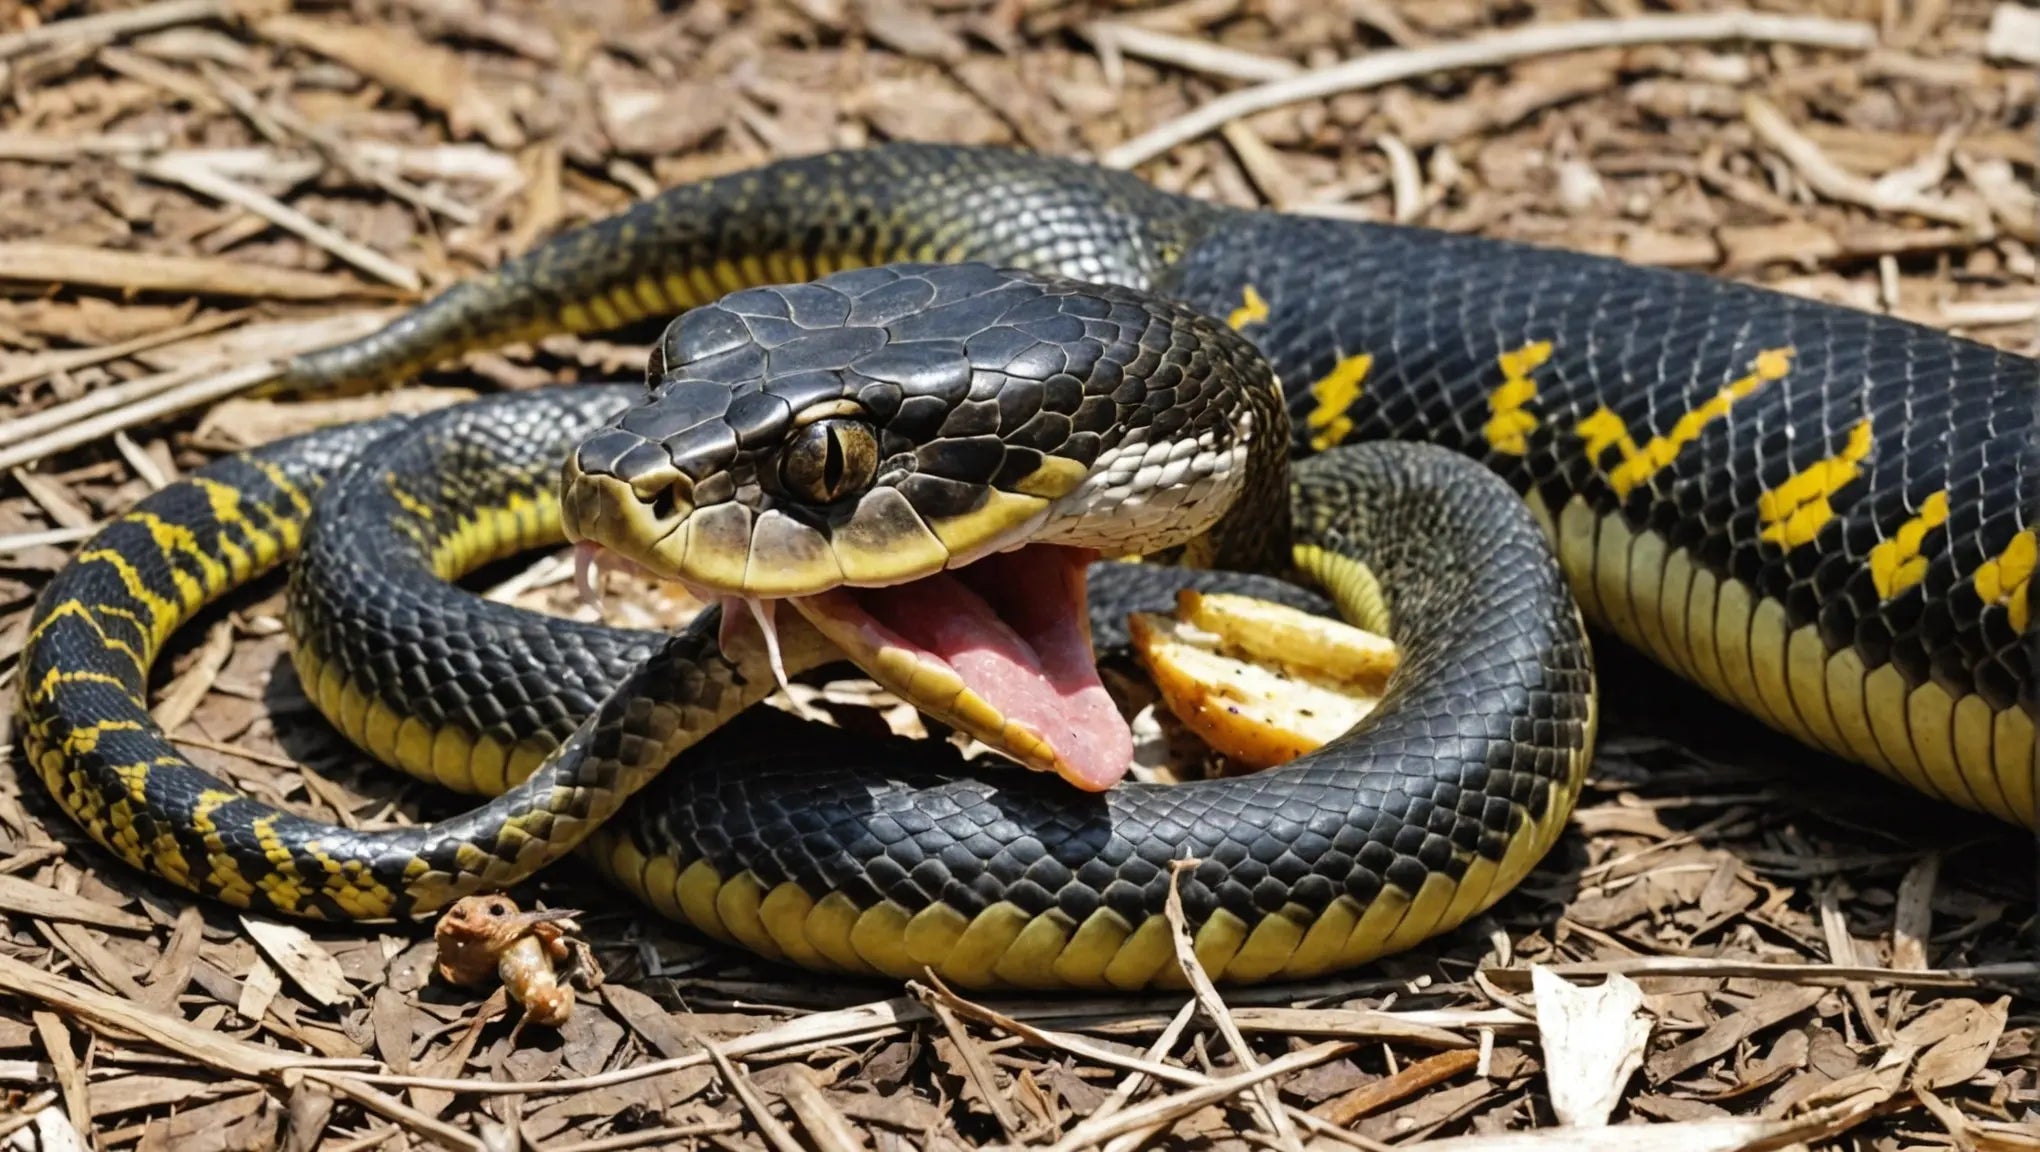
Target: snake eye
828 460
655 367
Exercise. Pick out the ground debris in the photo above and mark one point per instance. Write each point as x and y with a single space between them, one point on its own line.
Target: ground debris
1822 961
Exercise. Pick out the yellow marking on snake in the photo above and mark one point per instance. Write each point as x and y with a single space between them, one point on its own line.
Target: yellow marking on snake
1029 961
1896 563
1509 421
1335 394
1806 667
1092 948
880 940
223 873
829 928
56 676
1795 511
932 932
784 912
287 488
75 610
78 741
1323 940
695 892
1252 309
1603 429
225 501
976 953
2002 579
737 903
1149 946
1269 946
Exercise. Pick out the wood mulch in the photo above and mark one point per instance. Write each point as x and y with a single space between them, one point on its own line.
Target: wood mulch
1737 942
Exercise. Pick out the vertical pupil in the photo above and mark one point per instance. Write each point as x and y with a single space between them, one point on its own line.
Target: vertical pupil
832 462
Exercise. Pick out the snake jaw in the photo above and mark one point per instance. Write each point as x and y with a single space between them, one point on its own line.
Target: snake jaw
999 649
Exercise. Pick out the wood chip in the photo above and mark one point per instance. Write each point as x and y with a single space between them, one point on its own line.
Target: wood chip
309 966
31 262
2014 34
392 58
23 898
1776 1006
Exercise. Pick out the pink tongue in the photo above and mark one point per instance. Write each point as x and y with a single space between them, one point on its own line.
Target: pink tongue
1016 635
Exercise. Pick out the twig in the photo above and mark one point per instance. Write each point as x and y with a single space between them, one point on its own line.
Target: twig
1380 68
1832 181
135 66
1980 313
206 182
1170 1108
1410 1080
336 149
1214 1007
71 359
1825 975
110 26
1150 1066
1187 53
142 464
740 1085
191 394
237 1057
22 542
845 1023
649 1136
390 1108
1135 1079
979 1067
1264 167
824 1124
34 262
64 149
367 1141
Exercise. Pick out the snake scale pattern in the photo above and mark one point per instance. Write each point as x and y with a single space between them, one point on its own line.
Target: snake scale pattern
1820 516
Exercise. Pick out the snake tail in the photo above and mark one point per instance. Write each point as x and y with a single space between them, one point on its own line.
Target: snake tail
89 734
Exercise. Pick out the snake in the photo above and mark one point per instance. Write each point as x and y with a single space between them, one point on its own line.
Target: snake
927 407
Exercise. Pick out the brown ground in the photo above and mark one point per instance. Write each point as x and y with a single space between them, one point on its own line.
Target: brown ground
1806 940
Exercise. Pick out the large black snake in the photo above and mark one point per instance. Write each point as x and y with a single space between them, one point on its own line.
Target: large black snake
1814 513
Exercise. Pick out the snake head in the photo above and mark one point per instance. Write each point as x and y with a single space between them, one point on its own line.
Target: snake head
922 459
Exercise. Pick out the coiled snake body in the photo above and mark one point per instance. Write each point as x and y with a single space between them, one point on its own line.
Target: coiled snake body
1813 513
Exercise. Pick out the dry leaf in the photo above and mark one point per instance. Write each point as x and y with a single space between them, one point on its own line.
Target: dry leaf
426 72
1724 1034
1958 1036
258 989
309 966
1593 1042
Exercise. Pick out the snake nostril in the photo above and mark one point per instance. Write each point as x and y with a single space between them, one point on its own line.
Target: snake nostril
665 504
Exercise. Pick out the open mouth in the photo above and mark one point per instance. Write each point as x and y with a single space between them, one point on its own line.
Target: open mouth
1000 649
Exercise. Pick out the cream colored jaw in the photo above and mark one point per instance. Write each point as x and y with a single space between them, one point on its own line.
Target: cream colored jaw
1135 499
